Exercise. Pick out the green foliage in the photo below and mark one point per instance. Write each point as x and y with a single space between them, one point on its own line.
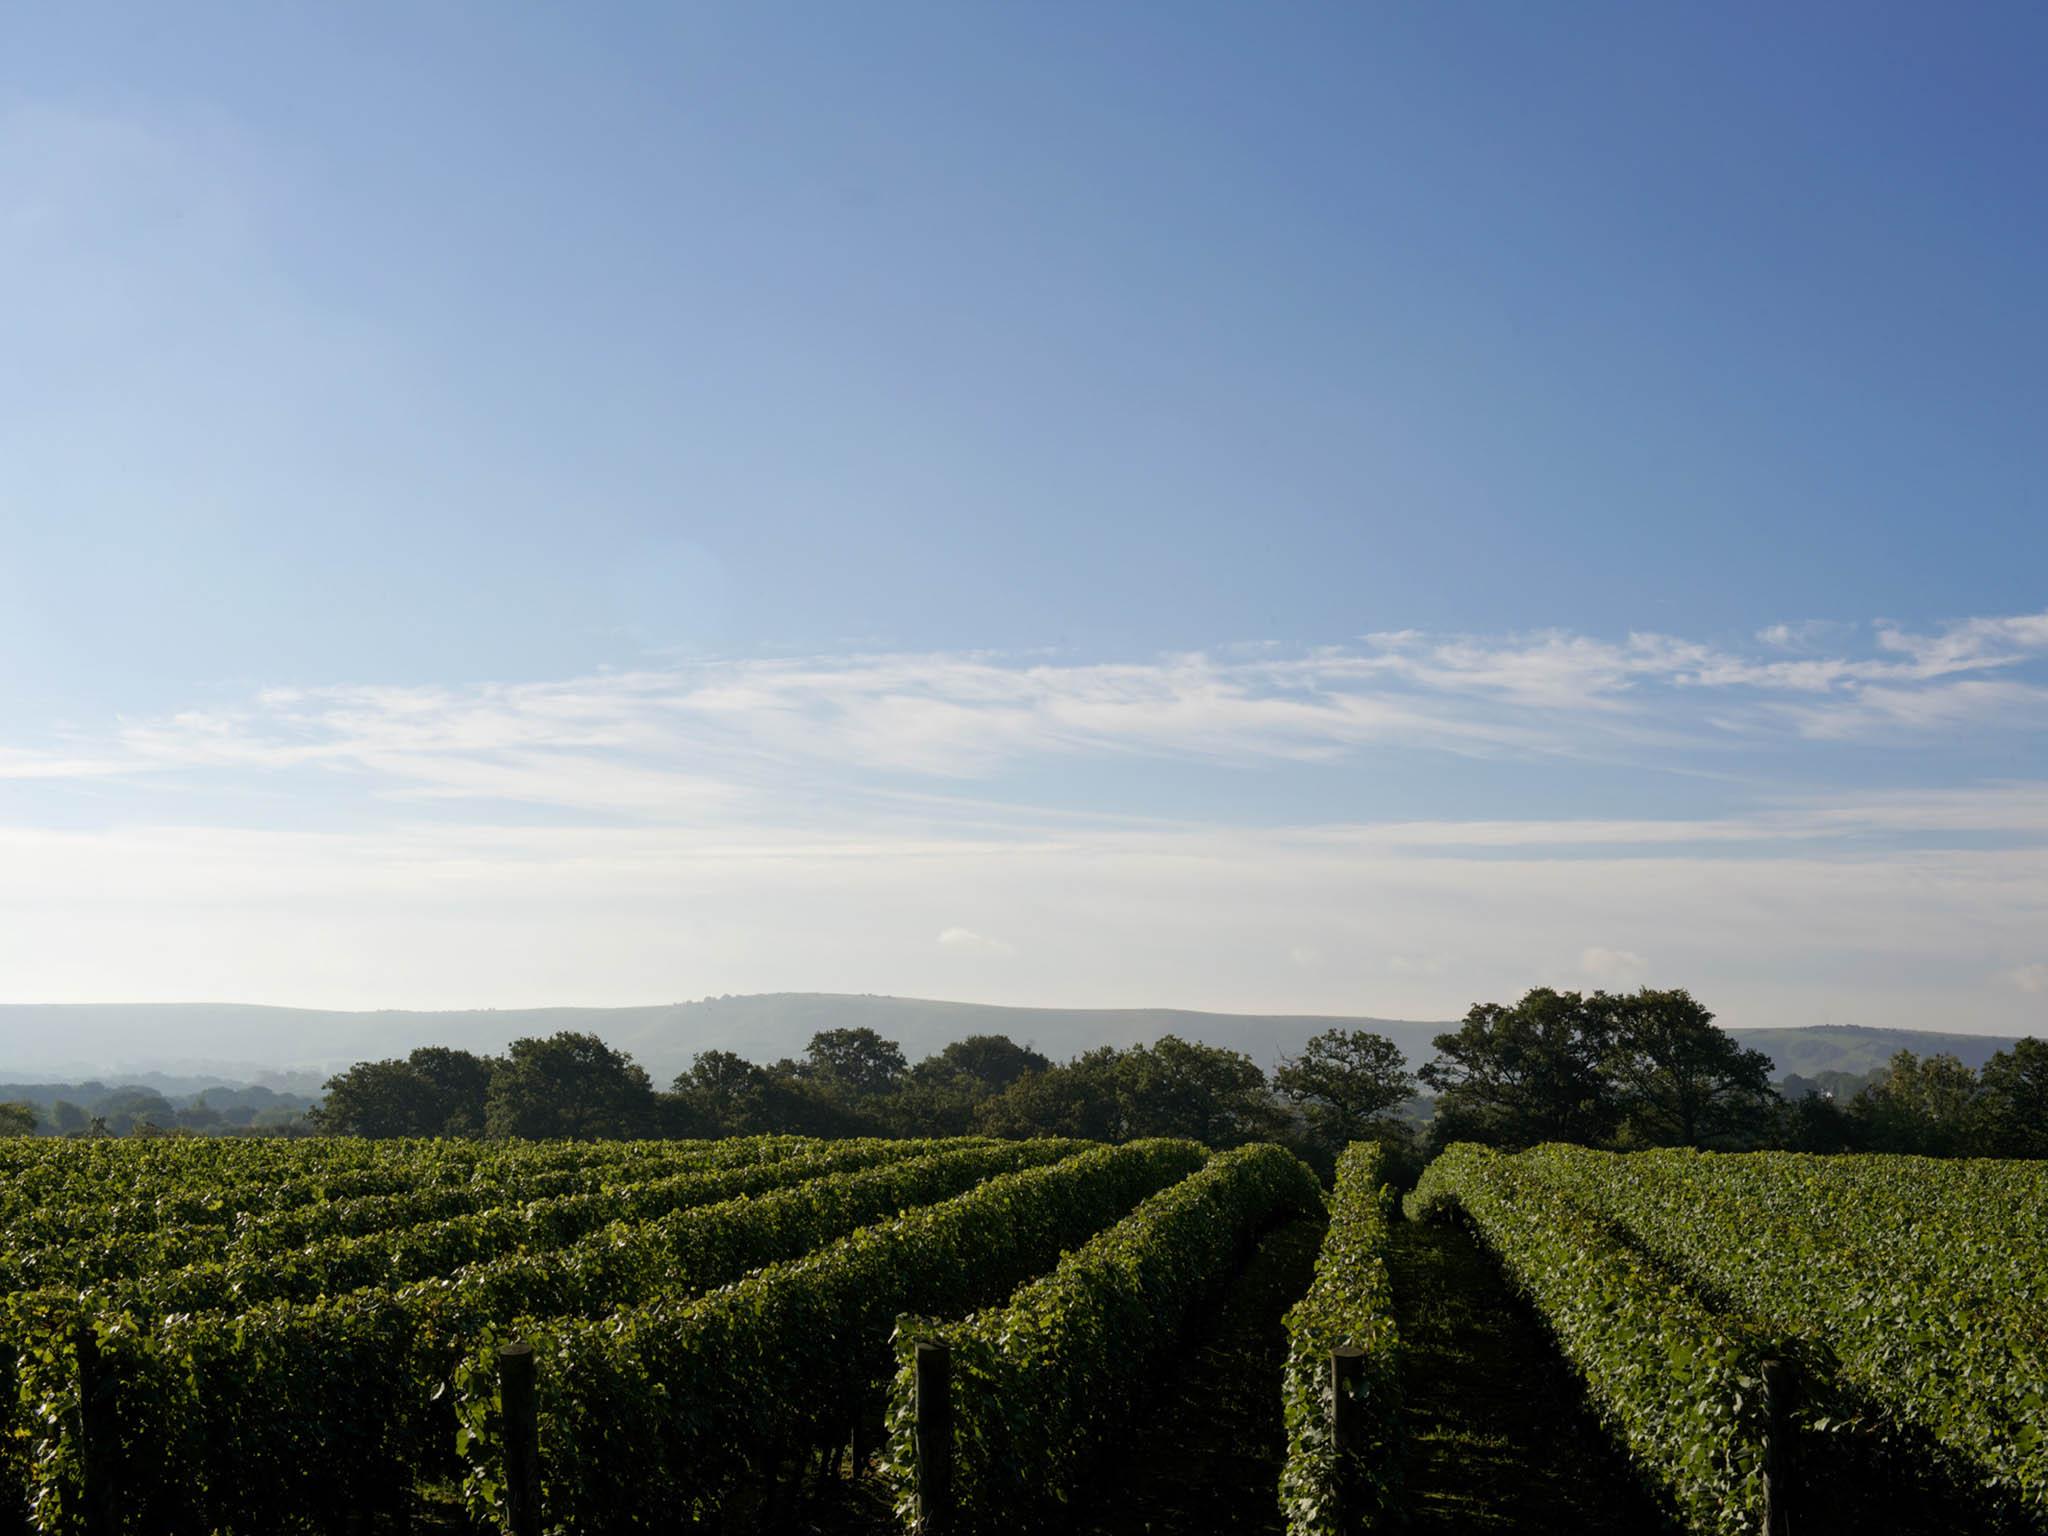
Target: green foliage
1647 1068
17 1119
1042 1383
1533 1072
267 1270
1677 1080
1677 1383
1910 1293
856 1062
1348 1082
1349 1304
568 1085
433 1092
244 1415
73 1234
1172 1087
674 1412
1930 1105
2015 1110
1919 1285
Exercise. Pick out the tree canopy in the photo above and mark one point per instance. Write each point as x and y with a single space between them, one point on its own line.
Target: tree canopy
1517 1075
1649 1068
1677 1079
569 1085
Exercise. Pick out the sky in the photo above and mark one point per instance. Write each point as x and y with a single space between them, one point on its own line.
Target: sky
1259 507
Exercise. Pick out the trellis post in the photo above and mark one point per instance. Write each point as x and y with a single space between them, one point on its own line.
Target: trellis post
1347 1376
97 1434
933 1385
522 1438
1778 1389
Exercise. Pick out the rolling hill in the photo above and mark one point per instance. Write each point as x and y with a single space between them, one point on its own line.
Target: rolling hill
297 1047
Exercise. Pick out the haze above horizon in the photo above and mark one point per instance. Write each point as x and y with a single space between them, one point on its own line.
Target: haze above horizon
1265 510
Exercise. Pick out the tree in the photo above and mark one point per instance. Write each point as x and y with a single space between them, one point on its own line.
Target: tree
2015 1085
199 1116
435 1091
122 1110
727 1090
1177 1087
1345 1085
459 1083
17 1118
859 1062
1815 1122
1932 1106
382 1099
70 1119
1678 1080
940 1095
1078 1099
992 1061
569 1085
1346 1079
1516 1076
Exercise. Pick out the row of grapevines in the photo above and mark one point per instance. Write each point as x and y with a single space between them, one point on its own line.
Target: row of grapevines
226 1175
671 1414
1041 1383
245 1275
1913 1275
1678 1382
256 1241
1349 1305
263 1421
97 1188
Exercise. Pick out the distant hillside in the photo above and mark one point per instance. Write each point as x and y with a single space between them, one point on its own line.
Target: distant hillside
1853 1048
234 1042
769 1025
294 1048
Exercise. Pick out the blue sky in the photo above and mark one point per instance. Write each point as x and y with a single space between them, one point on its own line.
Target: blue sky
1285 507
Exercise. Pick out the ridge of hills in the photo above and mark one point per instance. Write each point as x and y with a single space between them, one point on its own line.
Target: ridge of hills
295 1049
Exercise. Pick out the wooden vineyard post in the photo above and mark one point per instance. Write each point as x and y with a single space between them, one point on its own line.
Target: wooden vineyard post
1778 1389
934 1408
97 1435
522 1438
1347 1375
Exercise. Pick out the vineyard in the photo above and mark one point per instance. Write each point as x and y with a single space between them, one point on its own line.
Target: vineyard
968 1336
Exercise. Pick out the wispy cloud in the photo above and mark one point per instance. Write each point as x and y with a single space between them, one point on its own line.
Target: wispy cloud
2029 978
673 740
1613 967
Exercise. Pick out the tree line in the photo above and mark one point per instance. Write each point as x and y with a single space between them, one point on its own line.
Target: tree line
94 1109
1642 1069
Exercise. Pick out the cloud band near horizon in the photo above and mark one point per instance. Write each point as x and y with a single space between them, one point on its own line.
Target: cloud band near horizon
870 823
